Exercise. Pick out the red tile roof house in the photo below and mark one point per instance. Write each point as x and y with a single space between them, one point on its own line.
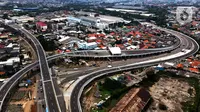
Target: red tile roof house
195 23
41 26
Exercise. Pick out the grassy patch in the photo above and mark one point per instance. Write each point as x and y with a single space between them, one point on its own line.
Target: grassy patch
111 88
117 90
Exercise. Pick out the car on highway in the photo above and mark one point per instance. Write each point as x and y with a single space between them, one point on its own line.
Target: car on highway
183 50
109 66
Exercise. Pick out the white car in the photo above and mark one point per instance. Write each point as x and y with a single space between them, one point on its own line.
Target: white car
75 68
109 66
183 50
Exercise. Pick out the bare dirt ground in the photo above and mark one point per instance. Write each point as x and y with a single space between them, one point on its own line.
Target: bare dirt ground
89 99
26 103
27 107
168 94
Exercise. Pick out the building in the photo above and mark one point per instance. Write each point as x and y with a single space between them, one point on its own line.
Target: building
10 61
59 19
63 38
89 21
8 21
9 66
133 47
98 21
22 19
115 50
106 18
111 19
41 26
134 101
102 25
86 46
72 19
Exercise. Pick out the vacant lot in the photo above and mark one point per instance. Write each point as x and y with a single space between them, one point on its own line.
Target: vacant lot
169 94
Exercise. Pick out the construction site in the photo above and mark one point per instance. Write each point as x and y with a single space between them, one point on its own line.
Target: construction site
154 92
23 100
169 94
106 93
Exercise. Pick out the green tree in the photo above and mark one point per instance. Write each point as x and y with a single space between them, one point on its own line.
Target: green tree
48 45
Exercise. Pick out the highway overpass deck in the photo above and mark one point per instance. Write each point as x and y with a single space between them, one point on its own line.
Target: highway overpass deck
13 80
186 43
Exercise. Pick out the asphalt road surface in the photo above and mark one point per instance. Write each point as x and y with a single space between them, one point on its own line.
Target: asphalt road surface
186 43
47 77
48 85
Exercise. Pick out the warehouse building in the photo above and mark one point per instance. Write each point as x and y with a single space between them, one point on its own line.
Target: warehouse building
86 46
22 19
72 19
134 101
115 50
